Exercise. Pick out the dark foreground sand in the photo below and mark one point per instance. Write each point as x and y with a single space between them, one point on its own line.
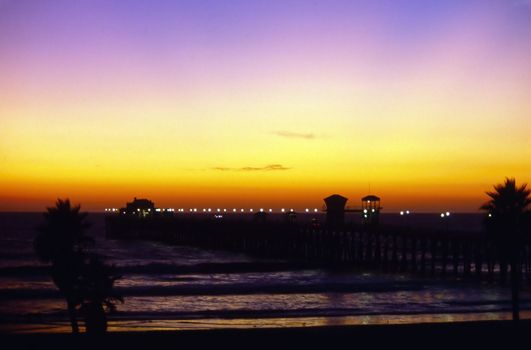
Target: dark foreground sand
458 335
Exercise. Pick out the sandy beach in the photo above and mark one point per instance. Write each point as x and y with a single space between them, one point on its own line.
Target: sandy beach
484 334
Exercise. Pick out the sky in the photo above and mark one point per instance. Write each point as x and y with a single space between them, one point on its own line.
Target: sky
275 103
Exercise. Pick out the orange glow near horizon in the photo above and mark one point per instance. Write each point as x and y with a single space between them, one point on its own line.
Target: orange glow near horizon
306 104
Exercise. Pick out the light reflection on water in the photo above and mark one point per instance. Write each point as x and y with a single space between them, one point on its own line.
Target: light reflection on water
427 301
205 324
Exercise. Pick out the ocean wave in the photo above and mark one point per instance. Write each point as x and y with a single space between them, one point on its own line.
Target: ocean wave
230 289
58 315
169 268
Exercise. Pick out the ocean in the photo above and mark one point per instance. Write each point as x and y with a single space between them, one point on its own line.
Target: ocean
176 287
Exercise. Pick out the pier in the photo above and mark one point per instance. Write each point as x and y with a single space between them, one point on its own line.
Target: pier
369 245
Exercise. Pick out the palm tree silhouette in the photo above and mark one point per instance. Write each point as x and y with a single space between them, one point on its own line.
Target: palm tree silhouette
60 241
507 210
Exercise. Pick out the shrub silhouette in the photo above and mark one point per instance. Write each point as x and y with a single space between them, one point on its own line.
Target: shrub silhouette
98 294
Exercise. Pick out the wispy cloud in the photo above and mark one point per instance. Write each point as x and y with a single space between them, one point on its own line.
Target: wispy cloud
295 135
222 168
270 167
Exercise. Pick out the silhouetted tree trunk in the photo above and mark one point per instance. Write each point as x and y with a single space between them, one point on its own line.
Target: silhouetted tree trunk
95 318
515 287
72 316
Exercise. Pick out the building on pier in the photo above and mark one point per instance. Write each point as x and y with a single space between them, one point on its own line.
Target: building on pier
141 208
370 206
335 208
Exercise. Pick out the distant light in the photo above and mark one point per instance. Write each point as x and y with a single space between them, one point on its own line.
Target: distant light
401 213
315 210
270 210
365 215
407 212
261 210
158 210
209 210
490 215
242 210
251 210
204 210
442 215
195 209
291 210
224 210
365 211
373 210
368 201
234 210
218 210
282 210
149 209
137 209
447 213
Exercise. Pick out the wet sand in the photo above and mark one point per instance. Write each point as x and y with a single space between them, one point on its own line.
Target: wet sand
482 334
